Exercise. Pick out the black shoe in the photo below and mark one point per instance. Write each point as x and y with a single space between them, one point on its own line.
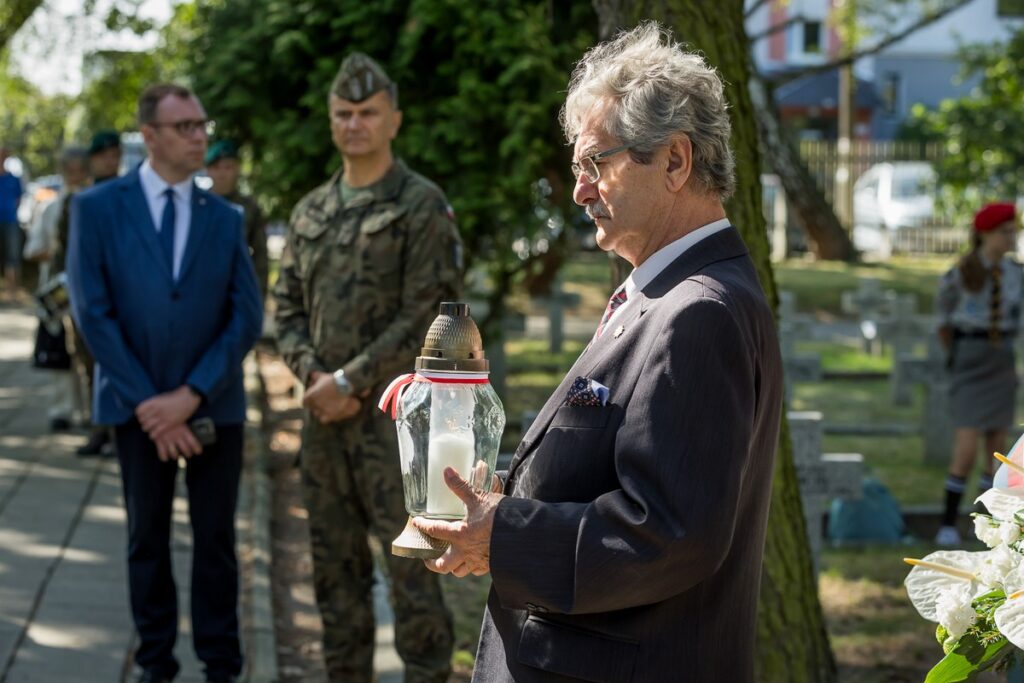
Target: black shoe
220 678
60 424
97 441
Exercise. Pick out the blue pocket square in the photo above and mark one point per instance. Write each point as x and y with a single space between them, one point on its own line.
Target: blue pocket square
587 392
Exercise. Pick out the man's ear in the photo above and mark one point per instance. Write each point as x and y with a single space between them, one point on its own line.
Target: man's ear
680 163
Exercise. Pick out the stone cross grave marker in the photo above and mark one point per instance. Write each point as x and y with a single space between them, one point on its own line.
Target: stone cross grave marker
870 303
821 477
793 326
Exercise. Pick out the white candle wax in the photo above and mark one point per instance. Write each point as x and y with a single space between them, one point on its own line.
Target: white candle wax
447 450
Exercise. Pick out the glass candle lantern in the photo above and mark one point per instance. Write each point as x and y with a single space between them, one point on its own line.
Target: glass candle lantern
447 415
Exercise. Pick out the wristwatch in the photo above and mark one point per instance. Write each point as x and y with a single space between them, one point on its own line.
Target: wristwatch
342 383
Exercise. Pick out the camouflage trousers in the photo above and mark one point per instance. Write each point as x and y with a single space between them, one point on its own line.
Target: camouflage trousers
353 487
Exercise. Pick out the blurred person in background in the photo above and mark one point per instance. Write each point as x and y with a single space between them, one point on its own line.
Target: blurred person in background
224 168
978 304
45 246
10 232
104 156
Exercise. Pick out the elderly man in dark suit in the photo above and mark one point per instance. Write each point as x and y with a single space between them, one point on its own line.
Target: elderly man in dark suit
163 289
629 541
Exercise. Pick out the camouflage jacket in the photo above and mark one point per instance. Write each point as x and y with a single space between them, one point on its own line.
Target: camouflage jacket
255 236
360 283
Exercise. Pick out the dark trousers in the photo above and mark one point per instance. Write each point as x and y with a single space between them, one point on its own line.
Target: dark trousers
212 480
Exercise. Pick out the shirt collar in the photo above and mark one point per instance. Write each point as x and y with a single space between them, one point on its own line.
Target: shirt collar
153 185
659 260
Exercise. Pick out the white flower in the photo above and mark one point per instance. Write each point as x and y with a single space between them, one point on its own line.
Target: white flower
1009 532
955 612
986 531
997 564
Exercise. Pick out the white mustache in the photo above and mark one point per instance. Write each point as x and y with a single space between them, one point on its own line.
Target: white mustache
596 211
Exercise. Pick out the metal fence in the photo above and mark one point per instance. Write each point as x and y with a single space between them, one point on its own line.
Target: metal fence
822 158
935 236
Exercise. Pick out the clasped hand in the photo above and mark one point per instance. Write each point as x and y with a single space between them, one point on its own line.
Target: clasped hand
163 419
326 403
470 538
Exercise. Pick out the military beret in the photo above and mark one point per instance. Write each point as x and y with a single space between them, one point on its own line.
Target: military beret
105 139
222 149
359 77
993 215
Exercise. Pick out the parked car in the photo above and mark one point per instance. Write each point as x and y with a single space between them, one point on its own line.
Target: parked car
889 198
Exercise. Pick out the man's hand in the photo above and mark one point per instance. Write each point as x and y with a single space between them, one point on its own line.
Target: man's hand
163 412
175 442
470 538
326 403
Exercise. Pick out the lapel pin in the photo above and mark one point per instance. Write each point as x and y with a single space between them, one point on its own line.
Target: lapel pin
618 331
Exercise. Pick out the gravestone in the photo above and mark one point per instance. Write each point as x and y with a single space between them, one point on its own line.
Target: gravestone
821 477
902 331
793 326
870 303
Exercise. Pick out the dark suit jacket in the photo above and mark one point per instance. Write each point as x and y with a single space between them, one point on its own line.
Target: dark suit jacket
630 546
148 332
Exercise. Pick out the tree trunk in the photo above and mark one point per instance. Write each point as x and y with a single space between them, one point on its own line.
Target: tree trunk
13 15
792 640
814 215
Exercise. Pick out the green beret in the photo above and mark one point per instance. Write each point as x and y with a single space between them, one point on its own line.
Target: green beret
222 149
360 77
105 139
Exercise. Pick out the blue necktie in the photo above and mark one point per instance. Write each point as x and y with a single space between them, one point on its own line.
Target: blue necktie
167 229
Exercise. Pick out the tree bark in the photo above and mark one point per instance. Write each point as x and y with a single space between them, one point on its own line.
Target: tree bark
792 640
815 216
13 15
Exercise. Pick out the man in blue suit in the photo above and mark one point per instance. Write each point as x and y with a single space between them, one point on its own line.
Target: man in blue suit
163 290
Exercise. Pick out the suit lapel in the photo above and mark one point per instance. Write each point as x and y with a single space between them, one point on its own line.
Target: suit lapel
198 229
608 344
722 245
140 218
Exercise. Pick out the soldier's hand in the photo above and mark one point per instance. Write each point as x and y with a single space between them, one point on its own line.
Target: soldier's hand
326 403
345 408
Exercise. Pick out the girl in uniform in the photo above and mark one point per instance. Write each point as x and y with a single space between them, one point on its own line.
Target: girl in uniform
979 303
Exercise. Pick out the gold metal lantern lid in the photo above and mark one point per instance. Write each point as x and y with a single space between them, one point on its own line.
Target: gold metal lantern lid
453 342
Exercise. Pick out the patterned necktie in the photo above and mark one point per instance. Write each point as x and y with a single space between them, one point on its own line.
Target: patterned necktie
996 306
167 228
618 298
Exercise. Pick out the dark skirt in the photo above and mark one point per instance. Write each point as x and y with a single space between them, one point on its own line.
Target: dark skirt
983 386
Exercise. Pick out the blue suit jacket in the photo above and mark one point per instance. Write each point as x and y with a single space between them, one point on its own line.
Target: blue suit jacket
147 332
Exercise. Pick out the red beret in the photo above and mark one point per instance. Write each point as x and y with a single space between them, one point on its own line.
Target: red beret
994 215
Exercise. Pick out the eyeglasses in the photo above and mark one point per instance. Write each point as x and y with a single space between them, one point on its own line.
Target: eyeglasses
188 127
588 164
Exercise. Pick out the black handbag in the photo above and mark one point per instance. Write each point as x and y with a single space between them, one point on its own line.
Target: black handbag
51 349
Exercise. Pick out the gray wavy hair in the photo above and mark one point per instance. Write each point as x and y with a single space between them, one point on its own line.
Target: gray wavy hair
656 90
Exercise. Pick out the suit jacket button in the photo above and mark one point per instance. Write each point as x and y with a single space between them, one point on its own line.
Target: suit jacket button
175 296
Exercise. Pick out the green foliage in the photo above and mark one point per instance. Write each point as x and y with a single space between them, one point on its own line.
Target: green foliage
32 124
109 97
480 85
971 654
983 132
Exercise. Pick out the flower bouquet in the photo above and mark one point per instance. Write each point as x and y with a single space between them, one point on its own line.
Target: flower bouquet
977 598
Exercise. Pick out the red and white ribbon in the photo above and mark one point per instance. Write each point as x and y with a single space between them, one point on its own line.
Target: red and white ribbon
393 394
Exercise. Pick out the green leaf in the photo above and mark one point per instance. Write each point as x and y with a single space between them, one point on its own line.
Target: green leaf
968 657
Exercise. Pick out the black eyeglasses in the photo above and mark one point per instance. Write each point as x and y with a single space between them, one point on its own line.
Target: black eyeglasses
588 164
188 127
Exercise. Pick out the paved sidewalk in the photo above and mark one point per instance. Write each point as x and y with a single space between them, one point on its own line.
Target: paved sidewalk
64 612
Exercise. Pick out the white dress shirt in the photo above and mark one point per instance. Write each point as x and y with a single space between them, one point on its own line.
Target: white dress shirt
153 186
659 260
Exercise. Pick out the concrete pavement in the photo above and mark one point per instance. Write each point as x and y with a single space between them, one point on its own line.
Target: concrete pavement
64 612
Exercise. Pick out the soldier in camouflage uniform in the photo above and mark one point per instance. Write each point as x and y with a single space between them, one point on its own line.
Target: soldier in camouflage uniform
222 165
368 257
